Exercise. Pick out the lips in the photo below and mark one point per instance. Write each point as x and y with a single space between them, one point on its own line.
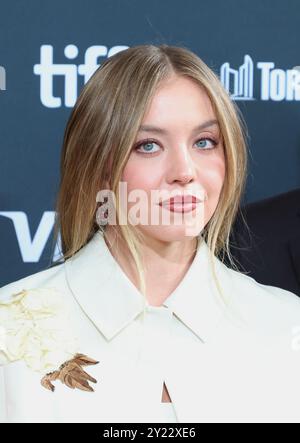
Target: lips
180 200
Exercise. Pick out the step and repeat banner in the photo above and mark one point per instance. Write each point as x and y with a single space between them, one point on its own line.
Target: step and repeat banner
49 50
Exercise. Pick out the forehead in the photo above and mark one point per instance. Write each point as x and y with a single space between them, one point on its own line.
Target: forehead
179 101
208 124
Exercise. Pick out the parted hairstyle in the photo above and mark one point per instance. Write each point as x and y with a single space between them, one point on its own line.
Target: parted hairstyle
102 129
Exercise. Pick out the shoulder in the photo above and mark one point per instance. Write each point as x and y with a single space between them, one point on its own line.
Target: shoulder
35 320
267 306
269 318
53 275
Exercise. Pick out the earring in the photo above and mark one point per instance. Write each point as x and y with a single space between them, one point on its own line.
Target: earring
102 216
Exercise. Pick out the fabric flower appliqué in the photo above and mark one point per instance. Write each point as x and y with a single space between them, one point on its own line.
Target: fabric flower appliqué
35 328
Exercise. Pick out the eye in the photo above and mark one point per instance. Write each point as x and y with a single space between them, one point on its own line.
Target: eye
203 141
147 145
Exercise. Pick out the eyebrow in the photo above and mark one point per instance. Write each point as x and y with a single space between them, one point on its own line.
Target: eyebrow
151 128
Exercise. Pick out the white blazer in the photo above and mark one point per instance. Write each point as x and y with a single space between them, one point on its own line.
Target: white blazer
237 361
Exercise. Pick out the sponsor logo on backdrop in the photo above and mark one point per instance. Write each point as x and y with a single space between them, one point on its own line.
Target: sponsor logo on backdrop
32 247
48 70
239 82
2 79
275 84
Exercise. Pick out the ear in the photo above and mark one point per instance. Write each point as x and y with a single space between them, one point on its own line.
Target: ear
107 176
106 184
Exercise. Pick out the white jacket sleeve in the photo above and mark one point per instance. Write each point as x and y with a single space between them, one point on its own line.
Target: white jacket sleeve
2 397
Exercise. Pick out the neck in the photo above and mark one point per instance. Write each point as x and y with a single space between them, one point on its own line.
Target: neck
166 263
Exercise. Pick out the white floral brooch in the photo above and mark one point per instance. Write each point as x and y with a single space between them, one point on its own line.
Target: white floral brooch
35 328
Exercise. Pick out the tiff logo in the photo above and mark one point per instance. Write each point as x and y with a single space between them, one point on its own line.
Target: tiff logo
2 79
48 70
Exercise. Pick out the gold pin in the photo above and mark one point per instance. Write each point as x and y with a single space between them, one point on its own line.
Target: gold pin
71 374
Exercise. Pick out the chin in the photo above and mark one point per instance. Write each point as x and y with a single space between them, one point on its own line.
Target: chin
170 233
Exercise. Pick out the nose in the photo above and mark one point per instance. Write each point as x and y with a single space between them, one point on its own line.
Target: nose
181 166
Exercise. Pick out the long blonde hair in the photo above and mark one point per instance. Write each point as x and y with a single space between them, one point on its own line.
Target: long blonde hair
101 131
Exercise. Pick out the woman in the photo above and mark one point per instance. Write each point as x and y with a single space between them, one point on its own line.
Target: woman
142 320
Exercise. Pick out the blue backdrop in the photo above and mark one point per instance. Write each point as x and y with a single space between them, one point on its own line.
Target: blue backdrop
48 50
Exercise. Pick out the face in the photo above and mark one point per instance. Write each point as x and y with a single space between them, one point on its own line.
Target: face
177 157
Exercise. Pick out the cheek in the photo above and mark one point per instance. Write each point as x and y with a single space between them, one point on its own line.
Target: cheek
138 175
212 175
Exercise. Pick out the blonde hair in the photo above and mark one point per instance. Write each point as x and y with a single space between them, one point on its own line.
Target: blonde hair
102 129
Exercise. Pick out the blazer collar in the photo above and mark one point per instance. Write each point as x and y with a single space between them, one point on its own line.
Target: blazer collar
112 301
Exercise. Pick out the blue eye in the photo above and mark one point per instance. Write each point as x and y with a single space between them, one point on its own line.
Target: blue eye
203 140
147 146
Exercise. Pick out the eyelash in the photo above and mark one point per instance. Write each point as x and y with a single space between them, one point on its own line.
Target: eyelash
150 140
